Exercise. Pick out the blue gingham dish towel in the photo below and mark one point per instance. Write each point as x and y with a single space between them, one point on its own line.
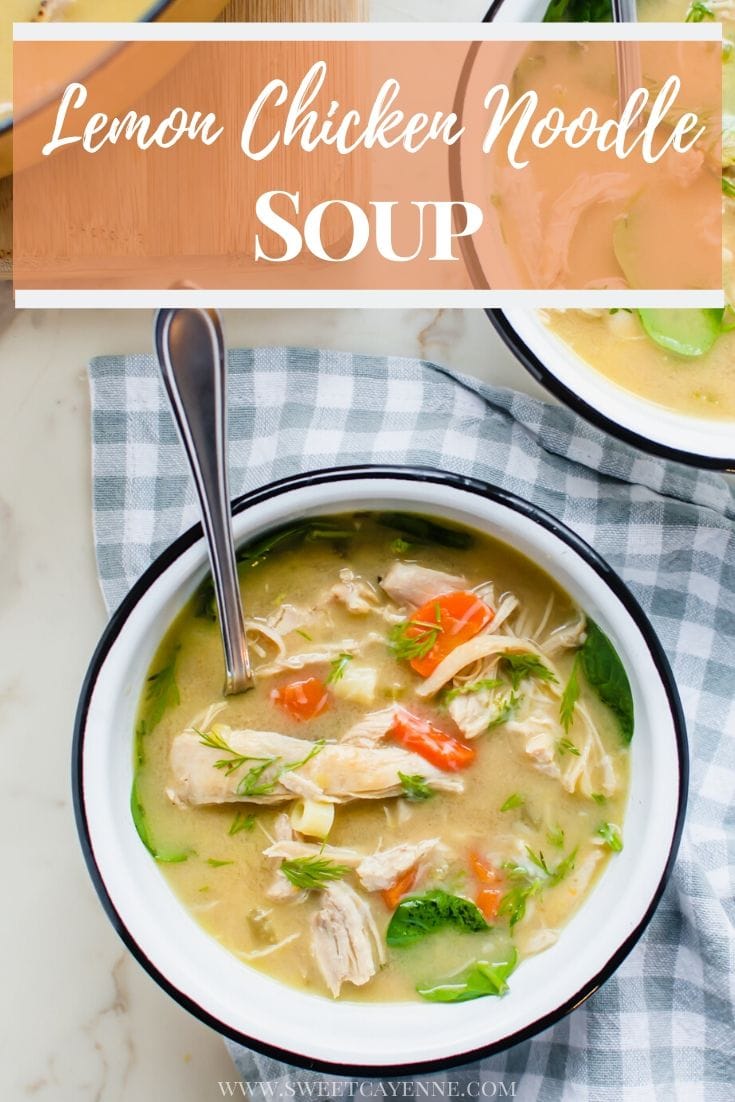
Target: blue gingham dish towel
662 1027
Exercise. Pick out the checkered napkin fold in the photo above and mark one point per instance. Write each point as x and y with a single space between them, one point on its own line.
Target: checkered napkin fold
662 1027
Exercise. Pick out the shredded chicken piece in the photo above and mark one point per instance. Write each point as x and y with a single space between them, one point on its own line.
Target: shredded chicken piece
578 881
327 653
472 712
507 606
301 786
590 770
545 618
288 618
586 191
341 772
371 729
381 870
281 889
409 584
354 593
482 646
345 941
292 848
567 636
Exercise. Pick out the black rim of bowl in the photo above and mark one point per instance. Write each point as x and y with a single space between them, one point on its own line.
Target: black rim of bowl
528 359
380 473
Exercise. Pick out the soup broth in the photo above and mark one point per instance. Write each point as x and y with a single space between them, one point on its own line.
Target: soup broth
641 358
498 818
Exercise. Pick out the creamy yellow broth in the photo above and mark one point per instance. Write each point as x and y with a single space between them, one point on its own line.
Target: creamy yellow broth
616 345
224 879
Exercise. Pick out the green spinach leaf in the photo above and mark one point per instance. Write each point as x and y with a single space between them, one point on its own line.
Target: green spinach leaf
424 530
579 11
419 915
606 674
482 978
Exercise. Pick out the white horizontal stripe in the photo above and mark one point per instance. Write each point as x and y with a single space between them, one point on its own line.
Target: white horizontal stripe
366 32
379 300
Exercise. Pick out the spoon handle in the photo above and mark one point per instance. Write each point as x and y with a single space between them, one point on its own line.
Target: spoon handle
191 354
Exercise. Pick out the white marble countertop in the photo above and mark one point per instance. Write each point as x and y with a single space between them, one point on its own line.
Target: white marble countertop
82 1022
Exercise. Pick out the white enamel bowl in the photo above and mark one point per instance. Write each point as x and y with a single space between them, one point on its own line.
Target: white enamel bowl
699 441
351 1037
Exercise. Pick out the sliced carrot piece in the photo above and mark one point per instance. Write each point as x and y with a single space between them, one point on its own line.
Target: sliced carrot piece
392 896
436 746
488 901
302 699
444 623
484 871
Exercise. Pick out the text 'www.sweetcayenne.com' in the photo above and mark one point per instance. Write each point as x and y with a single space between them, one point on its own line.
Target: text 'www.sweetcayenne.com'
347 1088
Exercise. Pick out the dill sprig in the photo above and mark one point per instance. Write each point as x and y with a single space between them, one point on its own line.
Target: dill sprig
312 873
526 664
338 666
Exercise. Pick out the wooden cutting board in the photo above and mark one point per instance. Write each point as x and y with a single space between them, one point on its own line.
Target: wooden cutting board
237 11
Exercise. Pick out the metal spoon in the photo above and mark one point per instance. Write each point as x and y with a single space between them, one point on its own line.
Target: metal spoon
191 353
627 55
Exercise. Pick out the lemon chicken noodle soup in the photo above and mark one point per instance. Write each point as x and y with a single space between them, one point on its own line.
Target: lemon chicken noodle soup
681 359
426 781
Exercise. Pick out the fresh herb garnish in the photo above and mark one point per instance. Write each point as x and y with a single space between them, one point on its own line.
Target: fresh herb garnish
304 635
566 746
515 800
414 638
525 885
215 741
538 860
506 711
338 666
419 915
481 978
312 873
218 864
555 837
611 836
251 784
570 696
599 798
241 822
524 665
415 787
564 867
728 187
484 683
316 748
